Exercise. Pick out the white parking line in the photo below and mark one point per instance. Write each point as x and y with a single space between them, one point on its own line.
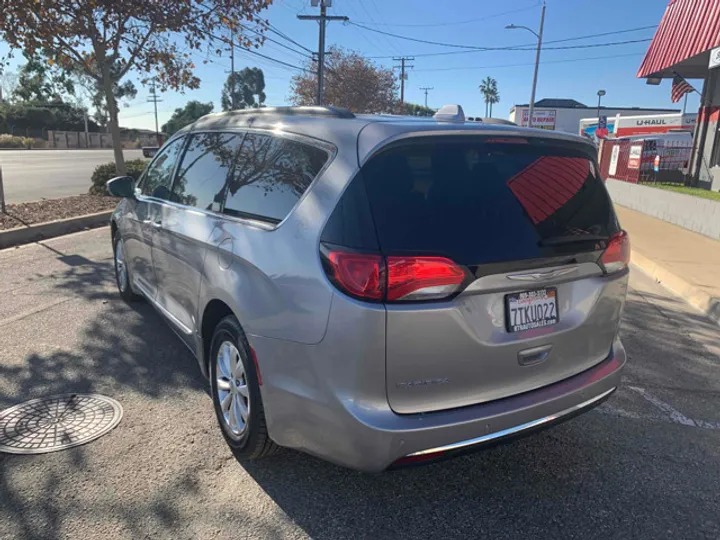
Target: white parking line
673 414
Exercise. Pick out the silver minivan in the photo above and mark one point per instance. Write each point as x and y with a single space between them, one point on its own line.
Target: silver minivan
379 291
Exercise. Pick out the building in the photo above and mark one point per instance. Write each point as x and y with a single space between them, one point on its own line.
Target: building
687 43
565 114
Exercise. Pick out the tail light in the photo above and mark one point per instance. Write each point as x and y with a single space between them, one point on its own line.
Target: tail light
393 279
358 274
617 254
422 278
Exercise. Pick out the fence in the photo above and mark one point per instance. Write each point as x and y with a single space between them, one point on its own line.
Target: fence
645 160
78 139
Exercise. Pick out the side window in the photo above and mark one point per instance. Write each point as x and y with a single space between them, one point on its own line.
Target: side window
270 175
158 178
203 172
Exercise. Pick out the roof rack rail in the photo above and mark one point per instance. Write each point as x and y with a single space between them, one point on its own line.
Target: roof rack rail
335 112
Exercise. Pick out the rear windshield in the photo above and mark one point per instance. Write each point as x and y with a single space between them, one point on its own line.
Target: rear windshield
485 200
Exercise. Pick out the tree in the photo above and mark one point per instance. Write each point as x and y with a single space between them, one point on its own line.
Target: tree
413 109
8 84
41 82
187 115
152 37
351 81
489 90
95 93
249 82
494 98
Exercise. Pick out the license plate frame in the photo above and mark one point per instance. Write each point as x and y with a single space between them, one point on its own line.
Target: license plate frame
517 322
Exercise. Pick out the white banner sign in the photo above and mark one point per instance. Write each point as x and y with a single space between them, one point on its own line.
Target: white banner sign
542 118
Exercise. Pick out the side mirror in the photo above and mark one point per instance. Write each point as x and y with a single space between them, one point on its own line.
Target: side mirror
121 186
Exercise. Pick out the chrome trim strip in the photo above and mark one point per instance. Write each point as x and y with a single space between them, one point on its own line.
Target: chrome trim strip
535 276
515 429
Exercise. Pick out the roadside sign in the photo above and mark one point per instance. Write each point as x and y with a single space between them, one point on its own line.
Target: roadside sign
542 118
635 157
715 58
614 159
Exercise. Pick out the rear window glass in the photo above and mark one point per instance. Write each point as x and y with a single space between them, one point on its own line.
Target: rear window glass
482 201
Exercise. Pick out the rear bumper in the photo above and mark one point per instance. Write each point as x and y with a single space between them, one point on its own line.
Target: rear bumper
374 438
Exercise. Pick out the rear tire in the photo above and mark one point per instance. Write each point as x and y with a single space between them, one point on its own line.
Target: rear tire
236 393
122 270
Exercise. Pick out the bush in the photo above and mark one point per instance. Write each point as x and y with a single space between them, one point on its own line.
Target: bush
103 173
13 141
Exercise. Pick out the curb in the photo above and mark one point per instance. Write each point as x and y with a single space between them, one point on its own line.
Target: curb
693 295
51 229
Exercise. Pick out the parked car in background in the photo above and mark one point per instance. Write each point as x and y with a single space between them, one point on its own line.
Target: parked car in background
379 291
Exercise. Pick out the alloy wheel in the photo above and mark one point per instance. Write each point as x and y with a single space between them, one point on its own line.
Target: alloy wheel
233 394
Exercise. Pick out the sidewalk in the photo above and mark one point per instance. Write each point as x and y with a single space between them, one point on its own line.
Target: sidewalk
684 261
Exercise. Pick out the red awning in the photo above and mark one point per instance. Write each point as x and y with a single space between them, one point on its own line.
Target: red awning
688 28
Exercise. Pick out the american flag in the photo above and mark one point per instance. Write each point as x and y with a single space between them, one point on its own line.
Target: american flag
680 87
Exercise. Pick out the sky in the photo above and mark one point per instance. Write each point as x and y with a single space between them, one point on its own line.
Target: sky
576 73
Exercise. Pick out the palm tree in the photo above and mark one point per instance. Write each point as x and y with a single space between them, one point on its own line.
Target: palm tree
486 88
494 97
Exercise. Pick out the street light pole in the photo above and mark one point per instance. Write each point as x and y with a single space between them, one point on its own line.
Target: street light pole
538 35
600 94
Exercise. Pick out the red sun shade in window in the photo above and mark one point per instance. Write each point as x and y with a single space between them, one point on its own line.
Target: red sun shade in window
548 183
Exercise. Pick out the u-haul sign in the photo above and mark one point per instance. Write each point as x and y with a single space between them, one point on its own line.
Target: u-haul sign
653 124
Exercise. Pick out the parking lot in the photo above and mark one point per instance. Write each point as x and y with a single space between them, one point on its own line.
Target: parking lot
644 465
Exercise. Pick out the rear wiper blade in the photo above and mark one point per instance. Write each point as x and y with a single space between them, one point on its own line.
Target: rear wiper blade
572 239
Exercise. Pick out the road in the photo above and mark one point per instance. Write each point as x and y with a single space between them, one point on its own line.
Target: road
646 465
30 175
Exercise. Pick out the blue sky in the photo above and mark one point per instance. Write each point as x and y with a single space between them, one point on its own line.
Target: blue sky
573 73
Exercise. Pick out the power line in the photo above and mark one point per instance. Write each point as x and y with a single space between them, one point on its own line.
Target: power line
281 44
508 48
280 62
276 31
465 68
468 21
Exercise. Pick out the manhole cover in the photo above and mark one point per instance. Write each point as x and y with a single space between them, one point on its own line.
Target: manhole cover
55 423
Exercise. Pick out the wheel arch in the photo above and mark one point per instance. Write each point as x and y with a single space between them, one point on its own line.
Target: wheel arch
214 311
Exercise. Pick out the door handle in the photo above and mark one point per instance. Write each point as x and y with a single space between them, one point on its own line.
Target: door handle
528 357
156 223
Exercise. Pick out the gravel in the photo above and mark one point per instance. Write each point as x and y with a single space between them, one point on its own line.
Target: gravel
29 213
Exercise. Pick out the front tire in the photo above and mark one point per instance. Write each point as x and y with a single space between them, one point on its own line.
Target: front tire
236 393
122 271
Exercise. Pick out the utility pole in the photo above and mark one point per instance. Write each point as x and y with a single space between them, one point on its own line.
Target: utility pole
232 70
322 19
403 75
155 100
87 136
426 89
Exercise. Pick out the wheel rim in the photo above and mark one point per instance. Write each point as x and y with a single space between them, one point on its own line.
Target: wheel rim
120 266
233 394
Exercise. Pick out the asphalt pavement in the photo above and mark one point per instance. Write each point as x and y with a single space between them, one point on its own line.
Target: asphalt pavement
31 175
645 465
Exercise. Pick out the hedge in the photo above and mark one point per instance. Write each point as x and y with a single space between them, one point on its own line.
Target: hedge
13 141
103 173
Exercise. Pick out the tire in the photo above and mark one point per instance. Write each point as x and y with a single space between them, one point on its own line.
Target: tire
248 439
122 279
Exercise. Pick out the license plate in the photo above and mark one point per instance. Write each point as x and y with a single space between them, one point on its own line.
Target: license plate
531 309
